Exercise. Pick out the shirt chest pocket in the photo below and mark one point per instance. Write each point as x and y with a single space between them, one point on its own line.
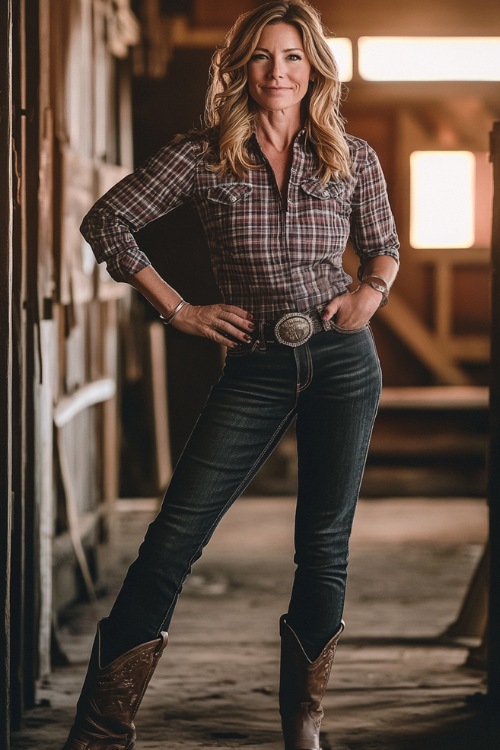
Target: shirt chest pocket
229 194
229 216
331 198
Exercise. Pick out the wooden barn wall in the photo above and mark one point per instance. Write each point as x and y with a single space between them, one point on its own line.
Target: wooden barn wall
65 137
6 241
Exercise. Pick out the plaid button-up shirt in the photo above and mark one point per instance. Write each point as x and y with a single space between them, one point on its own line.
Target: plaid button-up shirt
270 254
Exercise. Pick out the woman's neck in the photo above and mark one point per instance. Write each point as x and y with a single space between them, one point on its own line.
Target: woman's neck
277 130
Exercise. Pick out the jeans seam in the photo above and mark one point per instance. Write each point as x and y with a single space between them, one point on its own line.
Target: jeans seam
257 463
369 432
302 386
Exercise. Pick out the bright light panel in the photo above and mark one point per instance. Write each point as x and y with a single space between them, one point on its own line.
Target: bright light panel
429 58
442 199
342 52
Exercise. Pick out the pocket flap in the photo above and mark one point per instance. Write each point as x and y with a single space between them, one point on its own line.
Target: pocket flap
320 190
229 193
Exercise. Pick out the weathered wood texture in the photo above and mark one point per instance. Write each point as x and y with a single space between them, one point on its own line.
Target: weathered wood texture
6 221
65 134
389 17
494 451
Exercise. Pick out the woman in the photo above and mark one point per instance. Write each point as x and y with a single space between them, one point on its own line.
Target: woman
279 188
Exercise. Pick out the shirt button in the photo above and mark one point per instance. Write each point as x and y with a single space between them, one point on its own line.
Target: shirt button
325 193
232 199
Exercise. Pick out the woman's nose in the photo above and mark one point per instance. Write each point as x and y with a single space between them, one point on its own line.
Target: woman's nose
275 70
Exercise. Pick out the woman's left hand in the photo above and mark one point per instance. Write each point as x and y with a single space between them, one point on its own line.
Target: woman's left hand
354 309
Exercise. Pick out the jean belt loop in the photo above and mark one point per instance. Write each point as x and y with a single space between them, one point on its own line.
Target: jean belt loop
262 337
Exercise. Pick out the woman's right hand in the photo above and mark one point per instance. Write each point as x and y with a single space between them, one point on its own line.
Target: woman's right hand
220 323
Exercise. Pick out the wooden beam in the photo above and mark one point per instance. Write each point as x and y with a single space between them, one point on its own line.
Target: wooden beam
88 395
439 397
157 349
410 329
68 407
6 240
494 442
472 348
45 493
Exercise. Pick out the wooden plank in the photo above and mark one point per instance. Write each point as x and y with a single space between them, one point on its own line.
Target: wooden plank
77 262
442 304
110 440
88 395
494 441
410 329
6 251
45 491
160 403
457 397
475 348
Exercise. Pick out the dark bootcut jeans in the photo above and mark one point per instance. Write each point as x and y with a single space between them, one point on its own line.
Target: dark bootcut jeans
331 385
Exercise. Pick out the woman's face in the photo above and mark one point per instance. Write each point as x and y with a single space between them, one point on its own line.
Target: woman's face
279 71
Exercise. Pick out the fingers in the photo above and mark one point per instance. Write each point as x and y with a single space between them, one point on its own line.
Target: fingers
331 309
354 309
237 311
221 323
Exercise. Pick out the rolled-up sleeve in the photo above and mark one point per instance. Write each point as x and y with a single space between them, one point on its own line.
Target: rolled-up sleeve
164 182
373 230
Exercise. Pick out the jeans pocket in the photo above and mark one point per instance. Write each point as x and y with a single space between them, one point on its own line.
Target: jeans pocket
242 349
334 327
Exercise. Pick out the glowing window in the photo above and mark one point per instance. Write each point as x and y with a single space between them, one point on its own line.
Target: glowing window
429 58
442 198
342 52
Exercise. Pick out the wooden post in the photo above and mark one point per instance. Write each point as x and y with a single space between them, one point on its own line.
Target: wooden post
494 443
6 222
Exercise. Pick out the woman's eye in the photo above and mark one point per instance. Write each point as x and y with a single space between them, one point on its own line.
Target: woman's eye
259 56
294 57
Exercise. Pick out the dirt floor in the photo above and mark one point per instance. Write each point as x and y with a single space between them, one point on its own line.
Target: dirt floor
397 683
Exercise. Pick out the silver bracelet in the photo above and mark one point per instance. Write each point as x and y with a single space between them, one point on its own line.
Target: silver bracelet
383 288
174 312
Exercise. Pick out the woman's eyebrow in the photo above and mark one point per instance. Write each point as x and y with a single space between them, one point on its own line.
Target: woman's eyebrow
290 49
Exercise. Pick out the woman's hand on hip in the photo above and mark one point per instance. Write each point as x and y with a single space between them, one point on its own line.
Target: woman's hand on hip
220 323
354 309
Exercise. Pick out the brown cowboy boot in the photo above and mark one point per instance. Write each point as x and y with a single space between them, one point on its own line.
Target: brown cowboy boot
302 686
111 696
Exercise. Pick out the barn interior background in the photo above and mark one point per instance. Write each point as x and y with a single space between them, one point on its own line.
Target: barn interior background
88 89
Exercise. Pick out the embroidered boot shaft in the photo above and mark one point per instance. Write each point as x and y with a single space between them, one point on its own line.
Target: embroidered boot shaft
302 687
111 696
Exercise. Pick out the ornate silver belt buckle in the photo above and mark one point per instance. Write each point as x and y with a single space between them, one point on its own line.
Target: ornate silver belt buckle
293 329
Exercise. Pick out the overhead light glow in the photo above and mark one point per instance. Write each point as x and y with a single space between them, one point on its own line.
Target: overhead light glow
407 58
442 185
342 52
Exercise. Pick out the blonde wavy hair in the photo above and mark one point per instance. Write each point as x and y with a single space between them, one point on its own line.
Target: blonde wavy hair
230 111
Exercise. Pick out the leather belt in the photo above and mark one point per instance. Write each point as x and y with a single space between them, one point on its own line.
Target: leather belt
292 329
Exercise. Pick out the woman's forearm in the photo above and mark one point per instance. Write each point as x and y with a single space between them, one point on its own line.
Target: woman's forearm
156 290
384 266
